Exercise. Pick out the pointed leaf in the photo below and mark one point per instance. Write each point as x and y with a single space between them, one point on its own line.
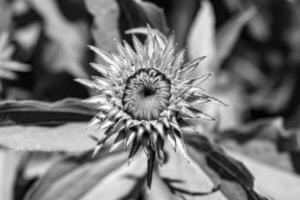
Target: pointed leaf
69 137
43 113
83 178
237 183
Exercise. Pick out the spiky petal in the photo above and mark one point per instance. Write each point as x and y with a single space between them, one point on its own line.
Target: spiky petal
144 96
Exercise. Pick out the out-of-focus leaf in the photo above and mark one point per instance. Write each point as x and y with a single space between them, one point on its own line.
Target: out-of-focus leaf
136 13
112 18
128 178
276 183
69 137
9 163
229 33
204 40
83 178
159 190
42 113
68 43
266 140
268 129
280 94
261 150
201 39
106 27
8 67
236 181
5 15
188 180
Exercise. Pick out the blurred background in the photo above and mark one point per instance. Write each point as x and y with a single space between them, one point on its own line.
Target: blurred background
251 46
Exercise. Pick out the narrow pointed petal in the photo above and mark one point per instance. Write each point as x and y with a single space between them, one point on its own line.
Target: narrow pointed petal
130 52
105 107
96 99
181 147
140 133
165 122
149 43
104 55
160 150
196 81
179 58
103 81
100 68
134 149
106 124
137 44
151 164
130 137
89 84
142 30
118 141
98 147
96 150
190 66
153 139
160 128
93 122
172 140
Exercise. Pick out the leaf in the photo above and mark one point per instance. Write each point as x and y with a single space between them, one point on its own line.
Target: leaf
262 150
266 140
271 180
69 137
9 163
67 47
136 13
37 126
9 67
205 40
237 183
83 178
229 33
41 113
268 129
159 190
201 38
105 25
113 18
5 15
187 180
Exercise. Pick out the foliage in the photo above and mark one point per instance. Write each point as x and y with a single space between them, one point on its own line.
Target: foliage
251 152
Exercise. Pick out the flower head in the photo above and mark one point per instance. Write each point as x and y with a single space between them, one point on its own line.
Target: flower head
144 95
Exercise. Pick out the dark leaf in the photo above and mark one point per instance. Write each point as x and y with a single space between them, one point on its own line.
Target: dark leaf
229 33
136 13
270 180
21 128
42 113
237 183
268 129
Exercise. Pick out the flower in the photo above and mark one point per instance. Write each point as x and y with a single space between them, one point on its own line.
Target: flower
145 96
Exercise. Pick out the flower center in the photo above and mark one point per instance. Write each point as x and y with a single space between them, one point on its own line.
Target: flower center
146 94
